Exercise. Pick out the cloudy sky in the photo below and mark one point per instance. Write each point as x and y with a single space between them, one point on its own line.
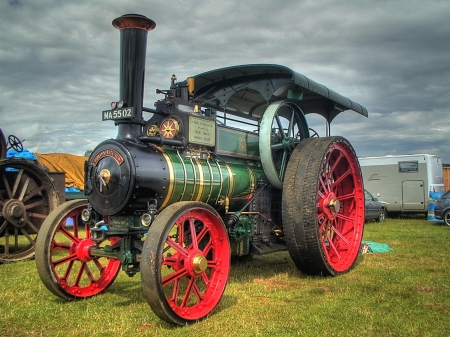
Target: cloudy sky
59 63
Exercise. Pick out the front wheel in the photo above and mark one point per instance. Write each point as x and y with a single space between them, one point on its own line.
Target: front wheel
185 262
323 206
62 255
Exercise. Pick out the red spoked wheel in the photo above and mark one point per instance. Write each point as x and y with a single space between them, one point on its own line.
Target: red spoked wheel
185 262
62 255
323 206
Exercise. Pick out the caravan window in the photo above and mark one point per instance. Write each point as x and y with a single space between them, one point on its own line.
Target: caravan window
408 166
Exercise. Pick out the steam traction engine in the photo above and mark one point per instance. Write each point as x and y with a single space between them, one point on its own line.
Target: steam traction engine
225 166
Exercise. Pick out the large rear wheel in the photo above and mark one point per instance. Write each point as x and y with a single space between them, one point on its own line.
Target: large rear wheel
62 255
323 206
185 262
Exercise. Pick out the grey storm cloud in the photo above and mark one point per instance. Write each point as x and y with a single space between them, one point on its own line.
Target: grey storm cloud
59 63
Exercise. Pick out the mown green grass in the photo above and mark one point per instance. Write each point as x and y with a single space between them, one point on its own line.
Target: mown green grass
405 292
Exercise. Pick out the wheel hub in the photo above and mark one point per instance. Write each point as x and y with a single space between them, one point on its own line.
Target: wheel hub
81 249
195 263
330 206
199 263
15 213
289 144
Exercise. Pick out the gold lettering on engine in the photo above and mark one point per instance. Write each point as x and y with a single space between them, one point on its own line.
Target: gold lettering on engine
108 153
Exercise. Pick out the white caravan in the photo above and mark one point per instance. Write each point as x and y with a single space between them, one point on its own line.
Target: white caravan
403 181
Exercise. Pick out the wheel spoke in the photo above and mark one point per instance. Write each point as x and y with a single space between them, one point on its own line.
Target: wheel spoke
187 293
175 291
338 233
69 235
35 204
324 184
290 131
277 147
181 233
3 227
69 269
280 127
201 236
16 183
175 276
98 264
33 193
16 239
332 248
347 196
25 233
176 246
65 259
79 274
336 163
24 188
338 181
193 233
33 227
283 165
89 274
8 188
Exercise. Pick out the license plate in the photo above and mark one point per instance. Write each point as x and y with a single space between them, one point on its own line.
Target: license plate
108 115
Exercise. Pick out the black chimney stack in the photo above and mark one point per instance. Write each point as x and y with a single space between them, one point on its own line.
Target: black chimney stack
133 47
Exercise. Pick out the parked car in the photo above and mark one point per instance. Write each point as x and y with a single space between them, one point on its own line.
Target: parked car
442 208
375 209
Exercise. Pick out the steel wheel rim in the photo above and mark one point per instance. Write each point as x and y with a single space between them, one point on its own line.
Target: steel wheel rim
75 272
27 196
185 268
341 202
191 266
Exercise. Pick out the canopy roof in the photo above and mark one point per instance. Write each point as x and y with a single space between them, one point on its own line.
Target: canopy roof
247 90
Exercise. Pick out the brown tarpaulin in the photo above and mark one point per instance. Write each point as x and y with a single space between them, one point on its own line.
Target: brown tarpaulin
72 165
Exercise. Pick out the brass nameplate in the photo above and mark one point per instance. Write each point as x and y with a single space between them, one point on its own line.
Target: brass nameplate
202 131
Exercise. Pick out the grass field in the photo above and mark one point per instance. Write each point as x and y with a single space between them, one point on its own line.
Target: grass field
405 292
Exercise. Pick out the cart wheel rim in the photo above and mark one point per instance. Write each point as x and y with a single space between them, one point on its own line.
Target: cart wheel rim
190 261
62 255
340 227
27 196
323 206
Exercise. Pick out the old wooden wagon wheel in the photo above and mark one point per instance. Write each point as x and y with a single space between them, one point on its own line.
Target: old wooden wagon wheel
62 255
185 262
323 206
27 196
283 125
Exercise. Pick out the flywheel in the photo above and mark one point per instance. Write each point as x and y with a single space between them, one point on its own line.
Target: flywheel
283 126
